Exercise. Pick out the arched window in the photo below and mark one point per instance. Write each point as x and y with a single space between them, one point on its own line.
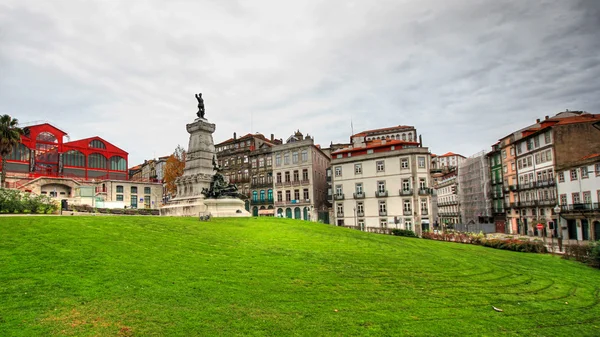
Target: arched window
74 158
270 195
410 137
262 195
19 152
254 196
96 160
97 144
46 137
404 136
45 142
118 163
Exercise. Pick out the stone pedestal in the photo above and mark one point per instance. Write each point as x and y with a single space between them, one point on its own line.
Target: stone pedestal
197 174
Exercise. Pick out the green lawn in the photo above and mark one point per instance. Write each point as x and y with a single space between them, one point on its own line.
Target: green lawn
138 276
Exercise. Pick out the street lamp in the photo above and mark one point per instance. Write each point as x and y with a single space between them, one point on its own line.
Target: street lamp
558 228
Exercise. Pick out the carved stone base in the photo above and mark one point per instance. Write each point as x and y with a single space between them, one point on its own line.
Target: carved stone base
195 206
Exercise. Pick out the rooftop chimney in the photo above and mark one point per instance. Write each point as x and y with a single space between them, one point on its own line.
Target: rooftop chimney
546 117
537 120
272 137
235 137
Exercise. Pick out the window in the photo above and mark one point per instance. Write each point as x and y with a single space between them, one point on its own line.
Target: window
529 144
597 169
97 144
360 208
547 137
563 199
519 149
254 163
296 175
405 185
338 189
294 157
70 158
573 174
96 160
305 174
357 168
340 209
278 160
561 177
383 223
304 156
338 171
421 162
407 205
536 141
408 224
380 166
134 189
254 196
270 195
287 176
382 207
278 178
576 199
422 183
359 188
512 165
404 163
305 193
504 154
529 161
286 159
119 189
584 172
296 194
261 162
269 161
587 197
512 151
262 195
119 197
288 195
424 205
381 186
279 196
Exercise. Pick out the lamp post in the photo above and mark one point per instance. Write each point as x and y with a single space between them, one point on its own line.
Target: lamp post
558 228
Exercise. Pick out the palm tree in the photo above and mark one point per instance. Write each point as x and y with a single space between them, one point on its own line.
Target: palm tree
10 136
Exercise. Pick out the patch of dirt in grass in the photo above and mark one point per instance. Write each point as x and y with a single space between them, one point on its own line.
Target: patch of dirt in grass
94 319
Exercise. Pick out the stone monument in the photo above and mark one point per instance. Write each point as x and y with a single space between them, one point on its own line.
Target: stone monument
201 190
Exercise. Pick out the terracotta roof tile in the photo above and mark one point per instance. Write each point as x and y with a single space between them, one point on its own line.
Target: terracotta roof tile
375 144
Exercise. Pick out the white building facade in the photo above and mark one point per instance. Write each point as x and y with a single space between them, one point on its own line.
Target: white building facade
382 185
579 197
299 178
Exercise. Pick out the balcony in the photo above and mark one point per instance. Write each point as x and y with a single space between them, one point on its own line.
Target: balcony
406 192
278 184
498 210
580 207
287 183
382 213
340 214
261 184
292 202
424 191
338 196
359 195
296 183
261 202
512 187
305 182
505 188
528 203
360 214
424 212
381 194
547 202
407 212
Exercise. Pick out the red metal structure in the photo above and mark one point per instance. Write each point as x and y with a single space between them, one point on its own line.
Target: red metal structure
43 153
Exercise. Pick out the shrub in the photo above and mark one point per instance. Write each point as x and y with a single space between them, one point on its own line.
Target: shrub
14 201
595 254
116 211
581 252
403 232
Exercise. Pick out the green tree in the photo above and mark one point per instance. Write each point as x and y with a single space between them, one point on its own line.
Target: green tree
10 136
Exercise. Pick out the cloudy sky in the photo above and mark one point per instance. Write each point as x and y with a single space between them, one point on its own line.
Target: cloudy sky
463 72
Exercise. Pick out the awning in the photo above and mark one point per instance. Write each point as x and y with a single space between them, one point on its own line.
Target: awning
266 212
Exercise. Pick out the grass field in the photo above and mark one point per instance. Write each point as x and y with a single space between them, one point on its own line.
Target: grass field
138 276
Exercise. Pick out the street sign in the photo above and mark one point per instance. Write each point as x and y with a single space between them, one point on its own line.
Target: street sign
540 226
